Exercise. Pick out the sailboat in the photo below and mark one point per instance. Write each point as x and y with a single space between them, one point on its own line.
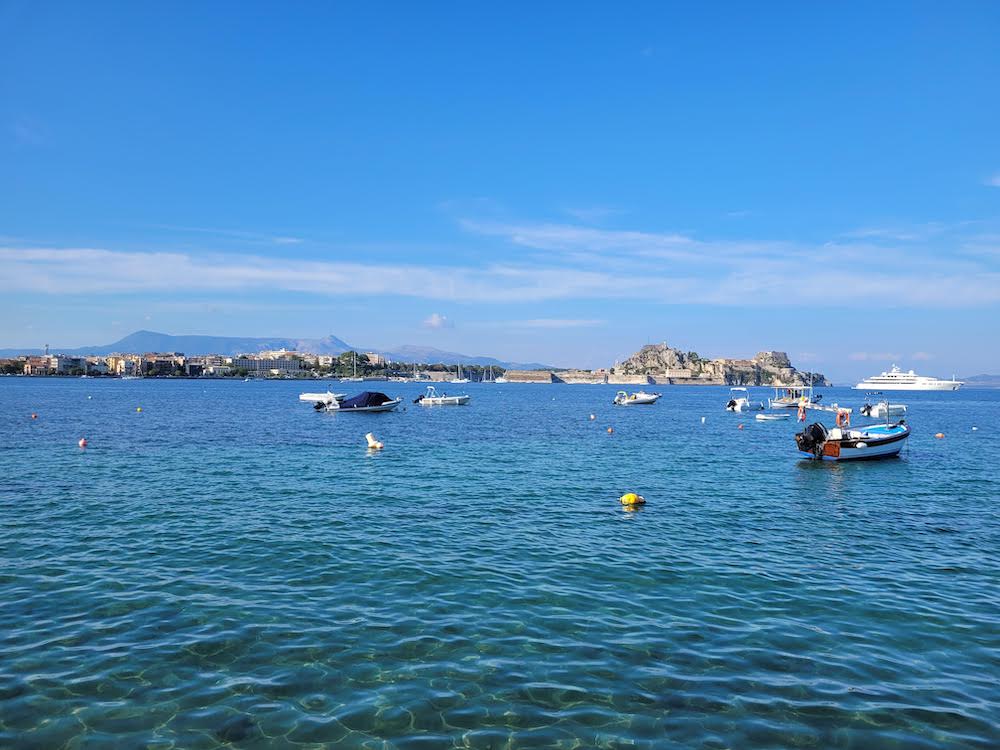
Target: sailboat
354 378
459 379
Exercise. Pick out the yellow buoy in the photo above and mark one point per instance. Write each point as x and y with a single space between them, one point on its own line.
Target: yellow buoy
630 498
939 435
138 408
373 444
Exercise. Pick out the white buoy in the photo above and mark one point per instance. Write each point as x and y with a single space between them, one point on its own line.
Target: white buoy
974 429
703 420
373 444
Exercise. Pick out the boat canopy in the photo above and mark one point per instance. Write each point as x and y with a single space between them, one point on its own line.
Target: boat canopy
364 399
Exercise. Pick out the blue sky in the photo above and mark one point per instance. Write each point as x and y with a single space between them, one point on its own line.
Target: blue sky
549 182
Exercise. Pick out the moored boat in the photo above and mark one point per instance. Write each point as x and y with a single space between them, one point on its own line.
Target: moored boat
780 417
897 380
882 410
369 401
840 444
635 399
739 400
322 398
433 398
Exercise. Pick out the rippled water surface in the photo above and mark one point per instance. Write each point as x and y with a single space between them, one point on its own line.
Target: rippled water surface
227 567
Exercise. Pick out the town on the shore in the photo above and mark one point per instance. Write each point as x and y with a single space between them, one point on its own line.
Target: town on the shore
653 364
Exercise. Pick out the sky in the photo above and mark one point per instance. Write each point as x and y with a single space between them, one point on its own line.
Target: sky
551 182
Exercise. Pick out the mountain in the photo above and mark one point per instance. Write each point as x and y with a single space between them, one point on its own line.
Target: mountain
982 381
430 355
151 341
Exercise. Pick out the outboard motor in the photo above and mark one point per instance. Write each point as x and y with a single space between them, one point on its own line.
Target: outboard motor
811 439
319 405
731 404
418 399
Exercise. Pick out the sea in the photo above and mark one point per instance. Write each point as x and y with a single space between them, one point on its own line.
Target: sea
222 566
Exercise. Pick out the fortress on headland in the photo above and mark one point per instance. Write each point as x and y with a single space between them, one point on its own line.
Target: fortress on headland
659 364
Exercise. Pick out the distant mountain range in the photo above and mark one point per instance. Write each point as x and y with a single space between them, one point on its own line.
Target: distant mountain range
982 381
150 341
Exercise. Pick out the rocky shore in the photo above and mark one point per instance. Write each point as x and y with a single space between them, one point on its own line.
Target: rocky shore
659 364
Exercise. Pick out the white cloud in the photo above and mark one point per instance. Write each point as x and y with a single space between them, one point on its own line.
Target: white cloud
554 323
874 356
993 181
572 262
435 320
236 234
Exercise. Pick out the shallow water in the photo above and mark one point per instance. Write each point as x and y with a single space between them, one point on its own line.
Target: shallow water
229 567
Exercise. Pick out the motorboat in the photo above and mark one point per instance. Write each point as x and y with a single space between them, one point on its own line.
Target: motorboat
635 399
739 400
370 401
897 380
841 444
882 409
433 398
501 380
792 396
778 417
322 398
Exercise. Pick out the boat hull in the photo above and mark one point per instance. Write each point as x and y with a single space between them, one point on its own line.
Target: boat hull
388 406
445 401
942 385
856 445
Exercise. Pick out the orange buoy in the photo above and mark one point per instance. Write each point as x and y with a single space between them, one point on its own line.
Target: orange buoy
939 435
83 442
34 416
610 430
138 408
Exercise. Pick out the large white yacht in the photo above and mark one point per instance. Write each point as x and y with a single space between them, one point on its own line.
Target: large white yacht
897 380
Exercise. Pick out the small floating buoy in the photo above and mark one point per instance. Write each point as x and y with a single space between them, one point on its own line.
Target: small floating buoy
610 430
974 429
592 418
138 408
630 498
740 427
703 420
82 443
373 444
939 435
35 416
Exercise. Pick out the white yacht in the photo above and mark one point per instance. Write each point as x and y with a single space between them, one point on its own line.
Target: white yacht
897 380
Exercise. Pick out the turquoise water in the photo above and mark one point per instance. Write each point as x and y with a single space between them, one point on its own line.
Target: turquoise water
227 567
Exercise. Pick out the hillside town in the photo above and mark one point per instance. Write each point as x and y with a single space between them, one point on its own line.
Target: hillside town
656 364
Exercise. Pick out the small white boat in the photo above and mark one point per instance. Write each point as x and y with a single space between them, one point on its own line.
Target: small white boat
882 410
635 399
433 398
322 398
369 401
501 380
780 417
839 444
739 400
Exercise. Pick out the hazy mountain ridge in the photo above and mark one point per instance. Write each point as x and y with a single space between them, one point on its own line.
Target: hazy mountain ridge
151 341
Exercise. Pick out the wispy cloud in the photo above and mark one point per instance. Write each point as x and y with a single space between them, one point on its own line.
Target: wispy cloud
921 356
993 181
562 262
554 323
874 356
436 320
236 234
593 214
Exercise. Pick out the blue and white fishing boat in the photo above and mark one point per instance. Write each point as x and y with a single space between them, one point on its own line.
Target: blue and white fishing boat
844 444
